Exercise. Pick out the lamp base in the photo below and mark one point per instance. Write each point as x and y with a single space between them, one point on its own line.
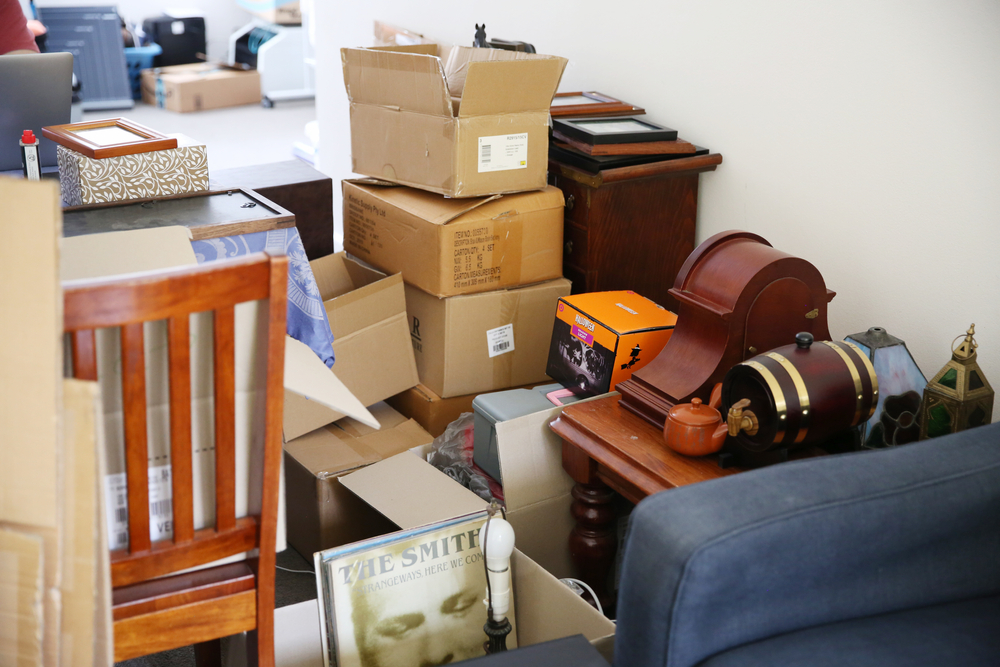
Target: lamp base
497 632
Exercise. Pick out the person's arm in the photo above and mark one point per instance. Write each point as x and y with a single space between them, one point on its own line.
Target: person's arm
15 37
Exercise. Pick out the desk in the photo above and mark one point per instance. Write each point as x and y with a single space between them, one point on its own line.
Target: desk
607 449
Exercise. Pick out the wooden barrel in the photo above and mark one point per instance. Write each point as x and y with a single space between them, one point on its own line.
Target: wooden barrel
802 393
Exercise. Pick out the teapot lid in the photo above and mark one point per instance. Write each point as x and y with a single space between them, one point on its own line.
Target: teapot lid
695 413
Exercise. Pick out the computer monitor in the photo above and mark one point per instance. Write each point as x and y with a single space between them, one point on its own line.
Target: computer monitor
36 90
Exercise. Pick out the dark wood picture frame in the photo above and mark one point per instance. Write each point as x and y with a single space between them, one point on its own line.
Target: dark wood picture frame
578 129
69 136
603 105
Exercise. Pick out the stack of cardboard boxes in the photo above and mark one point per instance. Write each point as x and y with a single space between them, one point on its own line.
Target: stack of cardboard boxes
455 151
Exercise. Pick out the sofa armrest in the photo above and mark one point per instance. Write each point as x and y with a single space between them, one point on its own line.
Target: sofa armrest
719 564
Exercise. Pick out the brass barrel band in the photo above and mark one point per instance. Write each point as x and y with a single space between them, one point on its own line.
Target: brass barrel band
858 396
779 398
871 374
800 389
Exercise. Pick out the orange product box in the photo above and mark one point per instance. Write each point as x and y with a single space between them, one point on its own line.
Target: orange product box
599 339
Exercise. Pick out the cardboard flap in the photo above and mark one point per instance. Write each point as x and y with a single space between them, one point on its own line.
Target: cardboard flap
132 251
434 208
328 451
390 78
411 492
307 376
366 306
541 606
531 459
425 49
385 415
510 87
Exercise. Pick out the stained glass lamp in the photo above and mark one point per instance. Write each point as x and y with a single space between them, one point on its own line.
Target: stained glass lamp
901 386
958 397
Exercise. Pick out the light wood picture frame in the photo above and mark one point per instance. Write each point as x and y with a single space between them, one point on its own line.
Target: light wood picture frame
108 137
591 103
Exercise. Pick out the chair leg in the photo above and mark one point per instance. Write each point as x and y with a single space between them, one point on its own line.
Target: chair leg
260 649
208 654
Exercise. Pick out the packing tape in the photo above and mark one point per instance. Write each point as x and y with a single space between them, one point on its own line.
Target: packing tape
507 247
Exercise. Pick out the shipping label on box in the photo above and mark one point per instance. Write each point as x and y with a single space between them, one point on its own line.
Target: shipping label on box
173 171
432 125
455 246
482 342
599 339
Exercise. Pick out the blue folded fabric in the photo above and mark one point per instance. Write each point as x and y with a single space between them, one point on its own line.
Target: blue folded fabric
307 320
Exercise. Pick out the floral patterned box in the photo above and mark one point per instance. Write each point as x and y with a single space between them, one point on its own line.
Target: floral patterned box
168 172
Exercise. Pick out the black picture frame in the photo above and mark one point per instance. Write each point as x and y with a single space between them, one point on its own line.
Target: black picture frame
586 130
594 164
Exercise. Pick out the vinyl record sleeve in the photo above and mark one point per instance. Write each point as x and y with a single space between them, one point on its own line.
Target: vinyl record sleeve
407 598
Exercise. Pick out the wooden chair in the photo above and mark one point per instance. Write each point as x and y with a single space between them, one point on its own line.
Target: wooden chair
154 612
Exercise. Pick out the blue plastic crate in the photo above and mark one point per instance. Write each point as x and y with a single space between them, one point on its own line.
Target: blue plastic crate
138 58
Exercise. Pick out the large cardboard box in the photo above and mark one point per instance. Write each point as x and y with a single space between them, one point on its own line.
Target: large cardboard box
282 12
476 125
455 246
321 512
173 171
476 343
199 86
430 410
374 359
599 339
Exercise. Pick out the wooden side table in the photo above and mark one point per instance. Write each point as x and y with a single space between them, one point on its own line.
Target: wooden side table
607 449
630 228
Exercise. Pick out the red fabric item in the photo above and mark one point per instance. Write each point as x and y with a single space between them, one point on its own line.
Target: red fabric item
14 32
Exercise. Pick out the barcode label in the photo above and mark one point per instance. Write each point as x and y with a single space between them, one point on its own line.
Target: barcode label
500 340
503 152
161 525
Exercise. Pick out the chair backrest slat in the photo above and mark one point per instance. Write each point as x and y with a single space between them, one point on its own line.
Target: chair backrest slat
136 451
84 355
178 332
225 419
174 295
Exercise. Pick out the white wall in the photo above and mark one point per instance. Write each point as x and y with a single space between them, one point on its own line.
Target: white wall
222 17
863 137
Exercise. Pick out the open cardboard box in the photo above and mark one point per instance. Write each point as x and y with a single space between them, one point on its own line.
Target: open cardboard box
455 246
476 125
371 341
321 512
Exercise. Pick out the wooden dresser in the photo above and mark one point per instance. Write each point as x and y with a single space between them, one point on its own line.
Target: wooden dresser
630 227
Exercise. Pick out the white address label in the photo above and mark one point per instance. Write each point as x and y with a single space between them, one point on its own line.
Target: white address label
500 340
503 152
161 524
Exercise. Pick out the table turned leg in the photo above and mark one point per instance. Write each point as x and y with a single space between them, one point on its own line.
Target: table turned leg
593 542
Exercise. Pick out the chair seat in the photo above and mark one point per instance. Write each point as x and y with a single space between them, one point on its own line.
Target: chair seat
964 634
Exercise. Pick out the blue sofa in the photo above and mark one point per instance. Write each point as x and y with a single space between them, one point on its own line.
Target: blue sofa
870 559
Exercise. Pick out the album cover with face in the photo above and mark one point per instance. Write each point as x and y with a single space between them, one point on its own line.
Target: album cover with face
415 597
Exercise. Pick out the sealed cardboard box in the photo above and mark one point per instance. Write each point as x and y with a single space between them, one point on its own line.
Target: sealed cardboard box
476 343
430 410
599 339
374 358
322 513
455 246
173 171
476 125
282 12
199 86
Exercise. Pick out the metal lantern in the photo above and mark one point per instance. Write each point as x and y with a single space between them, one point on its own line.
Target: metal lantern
901 386
959 396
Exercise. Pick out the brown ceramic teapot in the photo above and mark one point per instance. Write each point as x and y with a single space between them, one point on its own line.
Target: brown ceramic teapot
696 429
